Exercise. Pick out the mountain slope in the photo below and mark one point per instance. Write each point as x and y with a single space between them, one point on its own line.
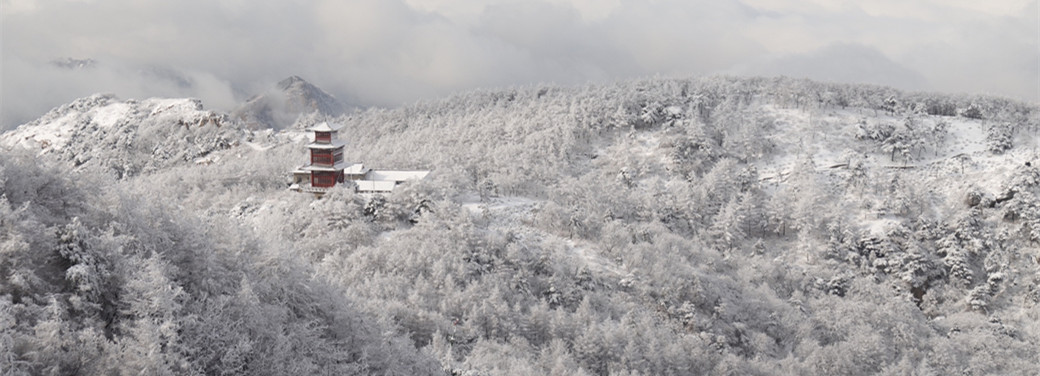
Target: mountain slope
731 209
100 281
700 226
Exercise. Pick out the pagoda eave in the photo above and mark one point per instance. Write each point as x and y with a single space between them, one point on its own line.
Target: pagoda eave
333 145
325 127
333 168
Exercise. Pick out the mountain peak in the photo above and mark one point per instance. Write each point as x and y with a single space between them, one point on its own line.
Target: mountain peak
293 81
280 106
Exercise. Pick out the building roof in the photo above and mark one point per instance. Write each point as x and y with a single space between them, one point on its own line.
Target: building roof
395 176
338 167
375 186
355 169
335 144
325 127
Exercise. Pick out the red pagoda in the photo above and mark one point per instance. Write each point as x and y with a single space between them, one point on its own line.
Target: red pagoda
326 161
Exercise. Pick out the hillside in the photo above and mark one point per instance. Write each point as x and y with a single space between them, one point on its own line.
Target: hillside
699 226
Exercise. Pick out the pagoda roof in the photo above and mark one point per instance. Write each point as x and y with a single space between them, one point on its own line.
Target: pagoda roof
325 127
337 167
335 144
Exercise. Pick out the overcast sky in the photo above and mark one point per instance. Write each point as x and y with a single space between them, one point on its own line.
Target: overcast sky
389 52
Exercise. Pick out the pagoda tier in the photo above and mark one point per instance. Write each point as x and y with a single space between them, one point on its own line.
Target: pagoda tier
326 155
323 132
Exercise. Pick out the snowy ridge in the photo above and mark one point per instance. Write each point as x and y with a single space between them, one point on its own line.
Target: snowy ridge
52 130
126 137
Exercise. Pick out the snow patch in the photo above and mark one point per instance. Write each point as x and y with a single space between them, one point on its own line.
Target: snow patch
109 115
44 137
473 204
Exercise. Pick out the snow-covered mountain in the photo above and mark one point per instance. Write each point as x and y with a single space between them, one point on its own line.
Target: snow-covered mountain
127 137
290 98
701 226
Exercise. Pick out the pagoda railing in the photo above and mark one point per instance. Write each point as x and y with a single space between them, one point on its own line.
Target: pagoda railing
309 189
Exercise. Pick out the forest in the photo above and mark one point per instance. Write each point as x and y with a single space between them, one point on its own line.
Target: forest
716 225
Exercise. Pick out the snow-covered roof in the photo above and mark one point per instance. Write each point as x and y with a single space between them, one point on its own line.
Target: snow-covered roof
396 176
337 167
377 186
335 144
325 127
355 169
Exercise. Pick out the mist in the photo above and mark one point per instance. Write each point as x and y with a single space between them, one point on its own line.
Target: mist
389 52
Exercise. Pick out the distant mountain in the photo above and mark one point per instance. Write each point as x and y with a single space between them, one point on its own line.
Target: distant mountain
74 64
280 106
127 137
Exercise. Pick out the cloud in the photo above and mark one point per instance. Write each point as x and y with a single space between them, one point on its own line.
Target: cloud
953 46
388 52
31 88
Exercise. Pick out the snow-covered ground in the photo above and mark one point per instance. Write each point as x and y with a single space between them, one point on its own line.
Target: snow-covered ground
515 215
